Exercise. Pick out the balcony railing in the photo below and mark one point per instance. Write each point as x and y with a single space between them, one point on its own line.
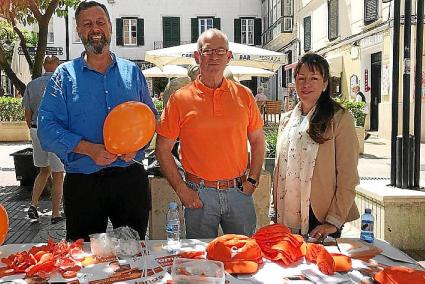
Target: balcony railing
161 44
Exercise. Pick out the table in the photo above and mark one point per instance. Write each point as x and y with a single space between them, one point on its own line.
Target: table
267 274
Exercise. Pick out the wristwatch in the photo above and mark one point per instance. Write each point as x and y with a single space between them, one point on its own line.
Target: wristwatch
252 181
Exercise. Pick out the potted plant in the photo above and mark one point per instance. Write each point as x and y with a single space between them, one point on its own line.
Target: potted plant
12 120
357 109
270 133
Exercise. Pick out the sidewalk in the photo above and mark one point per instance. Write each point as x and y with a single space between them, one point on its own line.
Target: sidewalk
373 164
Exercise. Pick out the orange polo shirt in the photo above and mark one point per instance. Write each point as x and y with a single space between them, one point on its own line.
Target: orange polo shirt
213 126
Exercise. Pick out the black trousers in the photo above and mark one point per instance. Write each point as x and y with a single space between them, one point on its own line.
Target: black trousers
313 223
120 194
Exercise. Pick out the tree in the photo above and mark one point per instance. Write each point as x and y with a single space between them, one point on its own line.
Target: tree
26 12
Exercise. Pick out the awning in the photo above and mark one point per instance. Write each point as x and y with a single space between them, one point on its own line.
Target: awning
335 65
290 66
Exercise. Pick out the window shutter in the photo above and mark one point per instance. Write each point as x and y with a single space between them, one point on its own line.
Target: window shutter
171 31
119 27
307 33
237 30
140 32
217 23
332 19
370 11
257 31
195 31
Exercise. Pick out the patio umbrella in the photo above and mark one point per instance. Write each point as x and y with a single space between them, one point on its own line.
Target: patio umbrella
167 71
243 55
241 73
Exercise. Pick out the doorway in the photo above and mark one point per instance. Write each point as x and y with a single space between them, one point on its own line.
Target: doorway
375 91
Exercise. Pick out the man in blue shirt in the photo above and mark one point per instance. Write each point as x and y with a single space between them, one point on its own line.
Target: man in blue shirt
98 184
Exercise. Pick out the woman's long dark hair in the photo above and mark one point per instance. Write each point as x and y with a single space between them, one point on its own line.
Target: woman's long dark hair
326 106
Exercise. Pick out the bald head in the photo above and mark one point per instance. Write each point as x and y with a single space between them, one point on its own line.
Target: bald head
50 63
210 33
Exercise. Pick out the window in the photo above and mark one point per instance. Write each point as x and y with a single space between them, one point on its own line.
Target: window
170 31
370 11
204 24
288 15
75 37
247 31
201 24
130 31
332 19
50 34
307 33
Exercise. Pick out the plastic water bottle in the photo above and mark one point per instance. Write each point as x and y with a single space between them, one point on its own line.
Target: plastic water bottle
367 226
173 228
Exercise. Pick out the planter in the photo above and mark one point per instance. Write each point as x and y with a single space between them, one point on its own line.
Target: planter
269 165
360 131
14 131
25 170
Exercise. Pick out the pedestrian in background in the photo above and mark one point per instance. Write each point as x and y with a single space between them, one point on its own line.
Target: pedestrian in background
47 162
317 154
214 117
98 184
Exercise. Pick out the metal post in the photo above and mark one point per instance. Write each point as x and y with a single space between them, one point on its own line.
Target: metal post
406 90
418 91
399 157
395 83
67 34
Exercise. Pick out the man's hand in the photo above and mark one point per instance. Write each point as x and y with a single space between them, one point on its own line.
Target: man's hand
96 152
128 157
248 188
189 198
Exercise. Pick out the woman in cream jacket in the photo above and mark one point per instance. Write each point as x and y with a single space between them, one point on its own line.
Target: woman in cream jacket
317 154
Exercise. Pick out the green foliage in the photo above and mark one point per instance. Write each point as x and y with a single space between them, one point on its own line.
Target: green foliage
11 109
7 39
270 133
356 108
159 105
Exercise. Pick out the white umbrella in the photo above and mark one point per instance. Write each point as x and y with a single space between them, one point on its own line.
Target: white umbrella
167 71
241 73
243 55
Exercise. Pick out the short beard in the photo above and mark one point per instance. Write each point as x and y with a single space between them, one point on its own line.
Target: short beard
96 48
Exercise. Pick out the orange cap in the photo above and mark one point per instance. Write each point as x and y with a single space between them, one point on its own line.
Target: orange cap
239 253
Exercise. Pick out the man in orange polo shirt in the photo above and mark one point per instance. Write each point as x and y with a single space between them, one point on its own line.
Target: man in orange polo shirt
214 118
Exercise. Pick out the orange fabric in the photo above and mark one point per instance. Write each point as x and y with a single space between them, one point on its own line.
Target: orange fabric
342 262
325 262
323 259
212 126
192 254
279 245
399 275
246 258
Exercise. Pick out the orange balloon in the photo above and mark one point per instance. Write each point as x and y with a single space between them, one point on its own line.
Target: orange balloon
4 224
128 127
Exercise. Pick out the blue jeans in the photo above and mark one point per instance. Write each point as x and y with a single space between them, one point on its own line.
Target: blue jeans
230 208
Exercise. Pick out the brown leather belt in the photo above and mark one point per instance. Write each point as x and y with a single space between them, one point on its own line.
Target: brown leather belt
217 184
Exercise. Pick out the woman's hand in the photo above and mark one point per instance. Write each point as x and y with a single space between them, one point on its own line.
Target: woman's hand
322 231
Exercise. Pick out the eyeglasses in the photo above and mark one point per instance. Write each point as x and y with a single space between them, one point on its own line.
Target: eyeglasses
209 51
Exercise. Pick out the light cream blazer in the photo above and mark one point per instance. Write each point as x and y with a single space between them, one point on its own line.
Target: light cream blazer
335 173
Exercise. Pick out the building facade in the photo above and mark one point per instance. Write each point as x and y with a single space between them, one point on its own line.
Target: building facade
355 36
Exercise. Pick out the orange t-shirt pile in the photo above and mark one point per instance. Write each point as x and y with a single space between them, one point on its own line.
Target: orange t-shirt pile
399 275
281 246
239 253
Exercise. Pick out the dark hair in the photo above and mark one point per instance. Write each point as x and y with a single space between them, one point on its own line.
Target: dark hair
89 4
326 106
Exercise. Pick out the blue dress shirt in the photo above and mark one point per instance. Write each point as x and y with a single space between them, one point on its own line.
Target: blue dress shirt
76 102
